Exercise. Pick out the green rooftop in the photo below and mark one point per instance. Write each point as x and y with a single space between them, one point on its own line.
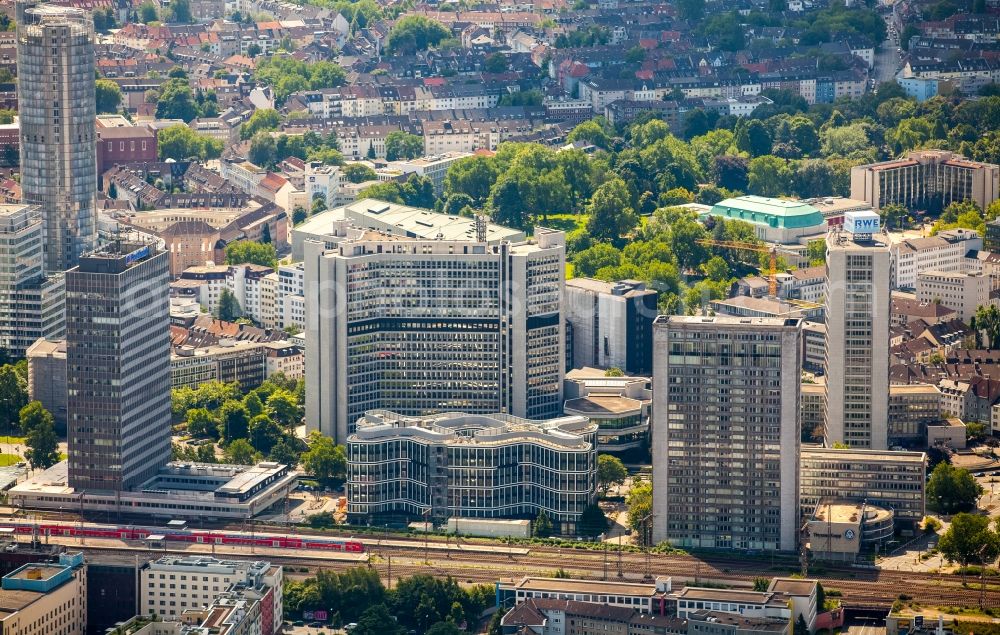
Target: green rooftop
773 212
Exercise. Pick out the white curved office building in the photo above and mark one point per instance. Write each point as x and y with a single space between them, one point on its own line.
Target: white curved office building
470 466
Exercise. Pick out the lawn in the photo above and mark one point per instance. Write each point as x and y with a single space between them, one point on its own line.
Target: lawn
563 222
6 460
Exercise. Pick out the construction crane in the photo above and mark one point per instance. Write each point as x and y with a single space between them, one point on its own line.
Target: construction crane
772 279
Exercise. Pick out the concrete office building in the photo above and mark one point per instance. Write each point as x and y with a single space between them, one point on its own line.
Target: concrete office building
726 432
612 324
47 378
926 179
964 292
945 251
172 587
31 303
893 480
620 406
471 466
118 367
857 339
423 326
57 108
45 598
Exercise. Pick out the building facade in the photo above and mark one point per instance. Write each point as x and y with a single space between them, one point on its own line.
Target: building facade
47 378
471 466
57 107
47 598
612 324
32 304
175 587
893 480
424 326
964 292
945 251
726 432
117 367
926 179
857 340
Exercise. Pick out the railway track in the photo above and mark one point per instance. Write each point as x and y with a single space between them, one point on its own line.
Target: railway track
874 589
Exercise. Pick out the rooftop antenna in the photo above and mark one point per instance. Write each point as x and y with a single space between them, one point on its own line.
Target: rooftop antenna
480 228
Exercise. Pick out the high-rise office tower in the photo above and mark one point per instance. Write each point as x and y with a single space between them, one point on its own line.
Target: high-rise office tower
118 366
857 337
56 105
31 303
422 326
726 432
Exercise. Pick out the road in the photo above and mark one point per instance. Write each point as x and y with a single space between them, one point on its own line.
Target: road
887 61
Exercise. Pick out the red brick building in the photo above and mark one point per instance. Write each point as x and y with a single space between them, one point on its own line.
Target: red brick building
120 141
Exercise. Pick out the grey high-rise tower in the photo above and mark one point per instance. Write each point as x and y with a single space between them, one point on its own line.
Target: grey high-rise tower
117 366
726 432
56 104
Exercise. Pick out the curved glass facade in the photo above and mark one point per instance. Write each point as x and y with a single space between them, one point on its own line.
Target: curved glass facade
56 105
457 465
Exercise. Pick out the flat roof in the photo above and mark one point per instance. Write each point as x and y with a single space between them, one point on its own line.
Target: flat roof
409 221
603 405
559 585
251 477
846 454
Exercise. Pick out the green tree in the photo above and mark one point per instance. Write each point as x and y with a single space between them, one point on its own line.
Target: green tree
176 101
264 433
801 628
147 12
496 63
543 525
610 472
263 151
206 453
202 423
589 261
285 452
13 395
716 269
358 173
234 421
403 145
761 584
262 120
593 522
445 628
769 176
639 503
987 318
893 215
229 306
34 415
816 251
473 176
180 11
247 252
754 138
324 460
595 131
181 143
610 215
284 408
415 33
376 620
43 446
952 489
969 540
240 452
108 95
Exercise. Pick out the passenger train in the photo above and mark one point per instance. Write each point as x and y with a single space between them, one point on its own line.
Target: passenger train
207 537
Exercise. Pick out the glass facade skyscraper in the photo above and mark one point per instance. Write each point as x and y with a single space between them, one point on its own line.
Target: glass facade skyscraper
56 105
